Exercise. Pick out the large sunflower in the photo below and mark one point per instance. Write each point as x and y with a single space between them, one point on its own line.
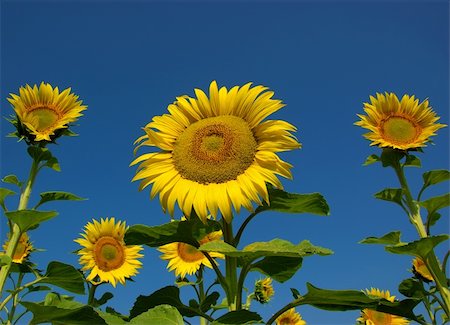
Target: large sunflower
23 248
404 124
105 254
216 153
290 317
373 317
185 258
43 113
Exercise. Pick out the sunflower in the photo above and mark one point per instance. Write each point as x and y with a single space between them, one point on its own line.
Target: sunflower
44 113
373 317
421 270
216 153
263 290
290 317
23 248
404 124
105 254
185 258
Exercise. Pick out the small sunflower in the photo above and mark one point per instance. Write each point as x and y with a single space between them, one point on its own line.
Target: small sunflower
186 259
421 270
263 290
404 124
23 248
373 317
290 317
44 113
216 153
105 254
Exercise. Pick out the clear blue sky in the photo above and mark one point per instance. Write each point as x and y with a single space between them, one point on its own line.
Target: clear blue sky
127 60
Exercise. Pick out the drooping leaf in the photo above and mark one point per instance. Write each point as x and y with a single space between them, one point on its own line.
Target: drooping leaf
29 219
412 161
4 192
159 315
187 231
433 218
169 295
5 259
435 176
209 301
420 248
64 276
12 179
436 203
279 268
275 247
391 157
392 238
53 164
295 293
412 288
240 317
371 160
390 194
282 201
103 299
39 154
57 196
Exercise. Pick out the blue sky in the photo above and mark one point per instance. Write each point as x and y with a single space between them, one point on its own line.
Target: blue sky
127 60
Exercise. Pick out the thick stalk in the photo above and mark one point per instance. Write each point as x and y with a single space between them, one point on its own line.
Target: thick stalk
91 296
244 271
15 232
201 293
230 266
431 261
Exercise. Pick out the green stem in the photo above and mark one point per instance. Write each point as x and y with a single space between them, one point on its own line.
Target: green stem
16 232
230 266
220 277
244 271
201 293
281 311
242 227
15 299
431 260
91 296
16 291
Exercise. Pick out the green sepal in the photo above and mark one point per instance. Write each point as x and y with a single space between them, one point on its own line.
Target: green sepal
29 219
279 268
57 196
64 276
371 160
4 192
186 231
392 238
12 179
241 317
159 315
282 201
275 247
391 194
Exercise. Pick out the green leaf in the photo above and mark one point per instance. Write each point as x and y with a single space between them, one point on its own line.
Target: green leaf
187 231
435 176
436 203
412 161
39 154
371 160
238 317
29 219
57 315
111 319
391 157
57 196
64 276
412 288
103 300
169 295
53 164
4 192
160 315
432 219
209 301
391 194
295 293
12 179
392 238
282 201
38 288
279 268
275 247
5 259
420 248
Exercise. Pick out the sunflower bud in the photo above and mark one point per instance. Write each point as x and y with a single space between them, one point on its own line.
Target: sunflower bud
263 290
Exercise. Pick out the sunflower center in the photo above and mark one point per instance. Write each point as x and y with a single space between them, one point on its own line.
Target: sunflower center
109 253
400 130
44 117
189 253
215 149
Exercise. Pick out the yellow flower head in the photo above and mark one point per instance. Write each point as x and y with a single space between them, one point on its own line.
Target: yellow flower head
264 290
421 270
105 254
373 317
23 248
403 124
185 258
290 317
217 152
43 113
